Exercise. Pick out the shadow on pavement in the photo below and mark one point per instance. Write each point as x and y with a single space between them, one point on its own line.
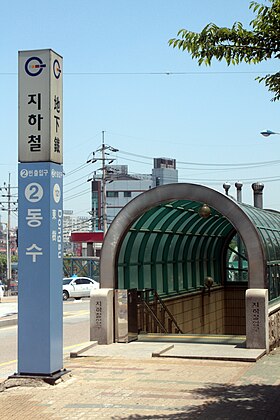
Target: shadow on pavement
256 402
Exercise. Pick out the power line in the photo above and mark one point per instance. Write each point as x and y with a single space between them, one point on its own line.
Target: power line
162 73
223 168
245 180
84 222
151 73
76 170
76 180
245 164
134 160
76 195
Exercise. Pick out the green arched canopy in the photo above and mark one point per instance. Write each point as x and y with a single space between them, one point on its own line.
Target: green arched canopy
162 240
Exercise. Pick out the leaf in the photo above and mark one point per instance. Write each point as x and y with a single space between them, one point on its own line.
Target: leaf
237 44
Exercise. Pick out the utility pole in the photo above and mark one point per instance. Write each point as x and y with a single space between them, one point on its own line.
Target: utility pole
104 198
7 206
94 227
9 265
104 147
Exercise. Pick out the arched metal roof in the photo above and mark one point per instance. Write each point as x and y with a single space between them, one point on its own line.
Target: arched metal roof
172 247
161 234
267 223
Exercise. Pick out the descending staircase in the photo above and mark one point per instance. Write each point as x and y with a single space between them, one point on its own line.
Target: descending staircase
153 315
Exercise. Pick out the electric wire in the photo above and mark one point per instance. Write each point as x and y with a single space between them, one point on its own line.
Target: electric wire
79 168
181 179
76 180
152 73
209 164
83 222
87 191
203 168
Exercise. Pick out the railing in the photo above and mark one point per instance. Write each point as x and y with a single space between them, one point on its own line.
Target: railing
81 266
153 314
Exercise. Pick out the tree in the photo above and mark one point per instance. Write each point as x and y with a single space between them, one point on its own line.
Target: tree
3 266
237 44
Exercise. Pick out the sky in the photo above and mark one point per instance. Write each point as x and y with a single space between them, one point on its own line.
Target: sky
121 77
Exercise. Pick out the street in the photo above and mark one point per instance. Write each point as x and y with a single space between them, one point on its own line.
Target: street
75 332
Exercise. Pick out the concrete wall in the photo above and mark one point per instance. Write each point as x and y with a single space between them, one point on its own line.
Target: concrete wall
274 326
221 312
235 310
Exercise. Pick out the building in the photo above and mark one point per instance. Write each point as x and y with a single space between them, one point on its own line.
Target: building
73 223
164 171
121 187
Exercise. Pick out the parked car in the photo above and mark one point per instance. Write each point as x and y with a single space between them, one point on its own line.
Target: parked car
78 287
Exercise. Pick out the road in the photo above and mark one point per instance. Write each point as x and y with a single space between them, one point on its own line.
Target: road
75 332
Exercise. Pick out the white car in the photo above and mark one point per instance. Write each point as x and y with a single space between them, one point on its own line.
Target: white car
78 287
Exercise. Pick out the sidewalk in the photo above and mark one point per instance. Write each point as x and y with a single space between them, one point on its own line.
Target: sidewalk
124 381
8 311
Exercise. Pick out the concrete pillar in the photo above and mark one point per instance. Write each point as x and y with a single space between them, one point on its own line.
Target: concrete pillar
238 186
121 316
102 316
126 323
258 194
90 249
257 336
226 187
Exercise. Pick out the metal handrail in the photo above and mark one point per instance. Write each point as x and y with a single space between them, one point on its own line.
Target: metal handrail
168 312
144 296
155 317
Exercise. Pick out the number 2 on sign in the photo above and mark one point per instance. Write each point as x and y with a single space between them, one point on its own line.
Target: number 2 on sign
33 192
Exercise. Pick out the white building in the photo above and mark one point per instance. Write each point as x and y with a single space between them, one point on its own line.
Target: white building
73 223
122 187
164 171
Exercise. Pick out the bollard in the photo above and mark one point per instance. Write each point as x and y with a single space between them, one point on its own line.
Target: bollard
101 316
257 319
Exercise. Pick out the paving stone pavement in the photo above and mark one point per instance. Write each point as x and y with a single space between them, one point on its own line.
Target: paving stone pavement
122 388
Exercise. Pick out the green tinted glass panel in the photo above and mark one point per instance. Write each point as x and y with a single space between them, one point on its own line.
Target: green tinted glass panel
236 261
147 276
172 248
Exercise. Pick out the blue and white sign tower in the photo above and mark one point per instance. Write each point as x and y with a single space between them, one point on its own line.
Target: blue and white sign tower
40 233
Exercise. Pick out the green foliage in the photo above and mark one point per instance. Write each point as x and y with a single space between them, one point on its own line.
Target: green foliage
3 266
237 44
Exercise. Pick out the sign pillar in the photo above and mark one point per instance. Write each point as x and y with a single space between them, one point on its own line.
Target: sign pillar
40 233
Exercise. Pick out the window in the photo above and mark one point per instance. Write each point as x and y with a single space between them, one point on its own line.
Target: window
127 194
237 262
112 194
86 281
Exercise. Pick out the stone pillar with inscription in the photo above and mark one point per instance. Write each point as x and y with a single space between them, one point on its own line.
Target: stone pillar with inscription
102 316
257 319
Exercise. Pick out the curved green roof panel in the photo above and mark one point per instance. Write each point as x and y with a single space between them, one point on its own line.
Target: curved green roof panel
172 248
162 239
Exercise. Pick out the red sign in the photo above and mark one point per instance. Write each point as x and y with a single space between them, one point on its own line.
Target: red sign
91 237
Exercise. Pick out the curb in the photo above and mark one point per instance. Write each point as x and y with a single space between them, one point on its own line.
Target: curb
8 322
162 351
83 348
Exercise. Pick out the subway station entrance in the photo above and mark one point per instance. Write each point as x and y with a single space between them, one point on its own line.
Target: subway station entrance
199 250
